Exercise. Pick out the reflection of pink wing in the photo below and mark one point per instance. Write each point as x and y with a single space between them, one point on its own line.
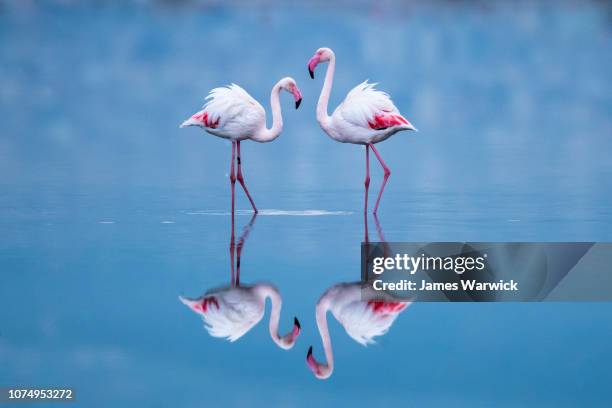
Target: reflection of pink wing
364 321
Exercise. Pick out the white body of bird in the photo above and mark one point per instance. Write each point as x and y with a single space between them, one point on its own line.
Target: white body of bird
231 312
362 319
366 116
231 113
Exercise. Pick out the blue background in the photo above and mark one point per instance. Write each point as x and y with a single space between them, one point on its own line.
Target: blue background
108 211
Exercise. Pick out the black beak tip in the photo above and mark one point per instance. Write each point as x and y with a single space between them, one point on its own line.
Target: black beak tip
297 103
309 352
296 322
311 72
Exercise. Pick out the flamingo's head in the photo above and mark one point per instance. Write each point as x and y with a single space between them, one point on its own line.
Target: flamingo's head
287 341
289 85
322 55
321 371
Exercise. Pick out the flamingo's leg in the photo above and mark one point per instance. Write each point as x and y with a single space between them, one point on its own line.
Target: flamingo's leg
387 174
232 238
241 179
233 177
232 250
367 179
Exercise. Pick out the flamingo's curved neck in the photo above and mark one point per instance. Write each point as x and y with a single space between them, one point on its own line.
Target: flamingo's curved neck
265 134
321 316
322 116
266 291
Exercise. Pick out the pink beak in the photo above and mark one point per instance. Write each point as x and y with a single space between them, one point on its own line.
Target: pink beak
312 64
296 328
311 362
298 96
320 371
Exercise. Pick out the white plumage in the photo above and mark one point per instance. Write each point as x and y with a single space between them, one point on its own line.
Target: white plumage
238 311
233 112
362 316
361 319
231 312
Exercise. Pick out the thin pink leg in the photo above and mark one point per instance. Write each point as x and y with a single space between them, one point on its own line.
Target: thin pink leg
241 180
387 174
233 179
232 238
367 179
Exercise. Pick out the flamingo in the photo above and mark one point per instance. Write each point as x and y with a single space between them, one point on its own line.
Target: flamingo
230 312
366 116
362 319
231 113
359 309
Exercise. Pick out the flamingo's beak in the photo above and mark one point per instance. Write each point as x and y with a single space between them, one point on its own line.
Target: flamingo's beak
298 97
310 361
288 341
296 328
321 371
312 64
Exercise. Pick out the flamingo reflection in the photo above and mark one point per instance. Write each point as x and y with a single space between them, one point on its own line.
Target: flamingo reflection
230 312
359 310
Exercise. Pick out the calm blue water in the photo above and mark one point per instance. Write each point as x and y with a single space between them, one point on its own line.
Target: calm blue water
108 211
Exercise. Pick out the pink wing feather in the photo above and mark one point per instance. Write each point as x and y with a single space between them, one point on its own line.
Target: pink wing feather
368 107
229 108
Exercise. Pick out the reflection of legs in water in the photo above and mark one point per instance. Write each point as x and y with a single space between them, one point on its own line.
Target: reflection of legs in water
237 249
241 240
365 223
367 181
381 236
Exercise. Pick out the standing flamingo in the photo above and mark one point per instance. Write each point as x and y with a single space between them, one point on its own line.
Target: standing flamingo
366 116
231 113
359 309
230 312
